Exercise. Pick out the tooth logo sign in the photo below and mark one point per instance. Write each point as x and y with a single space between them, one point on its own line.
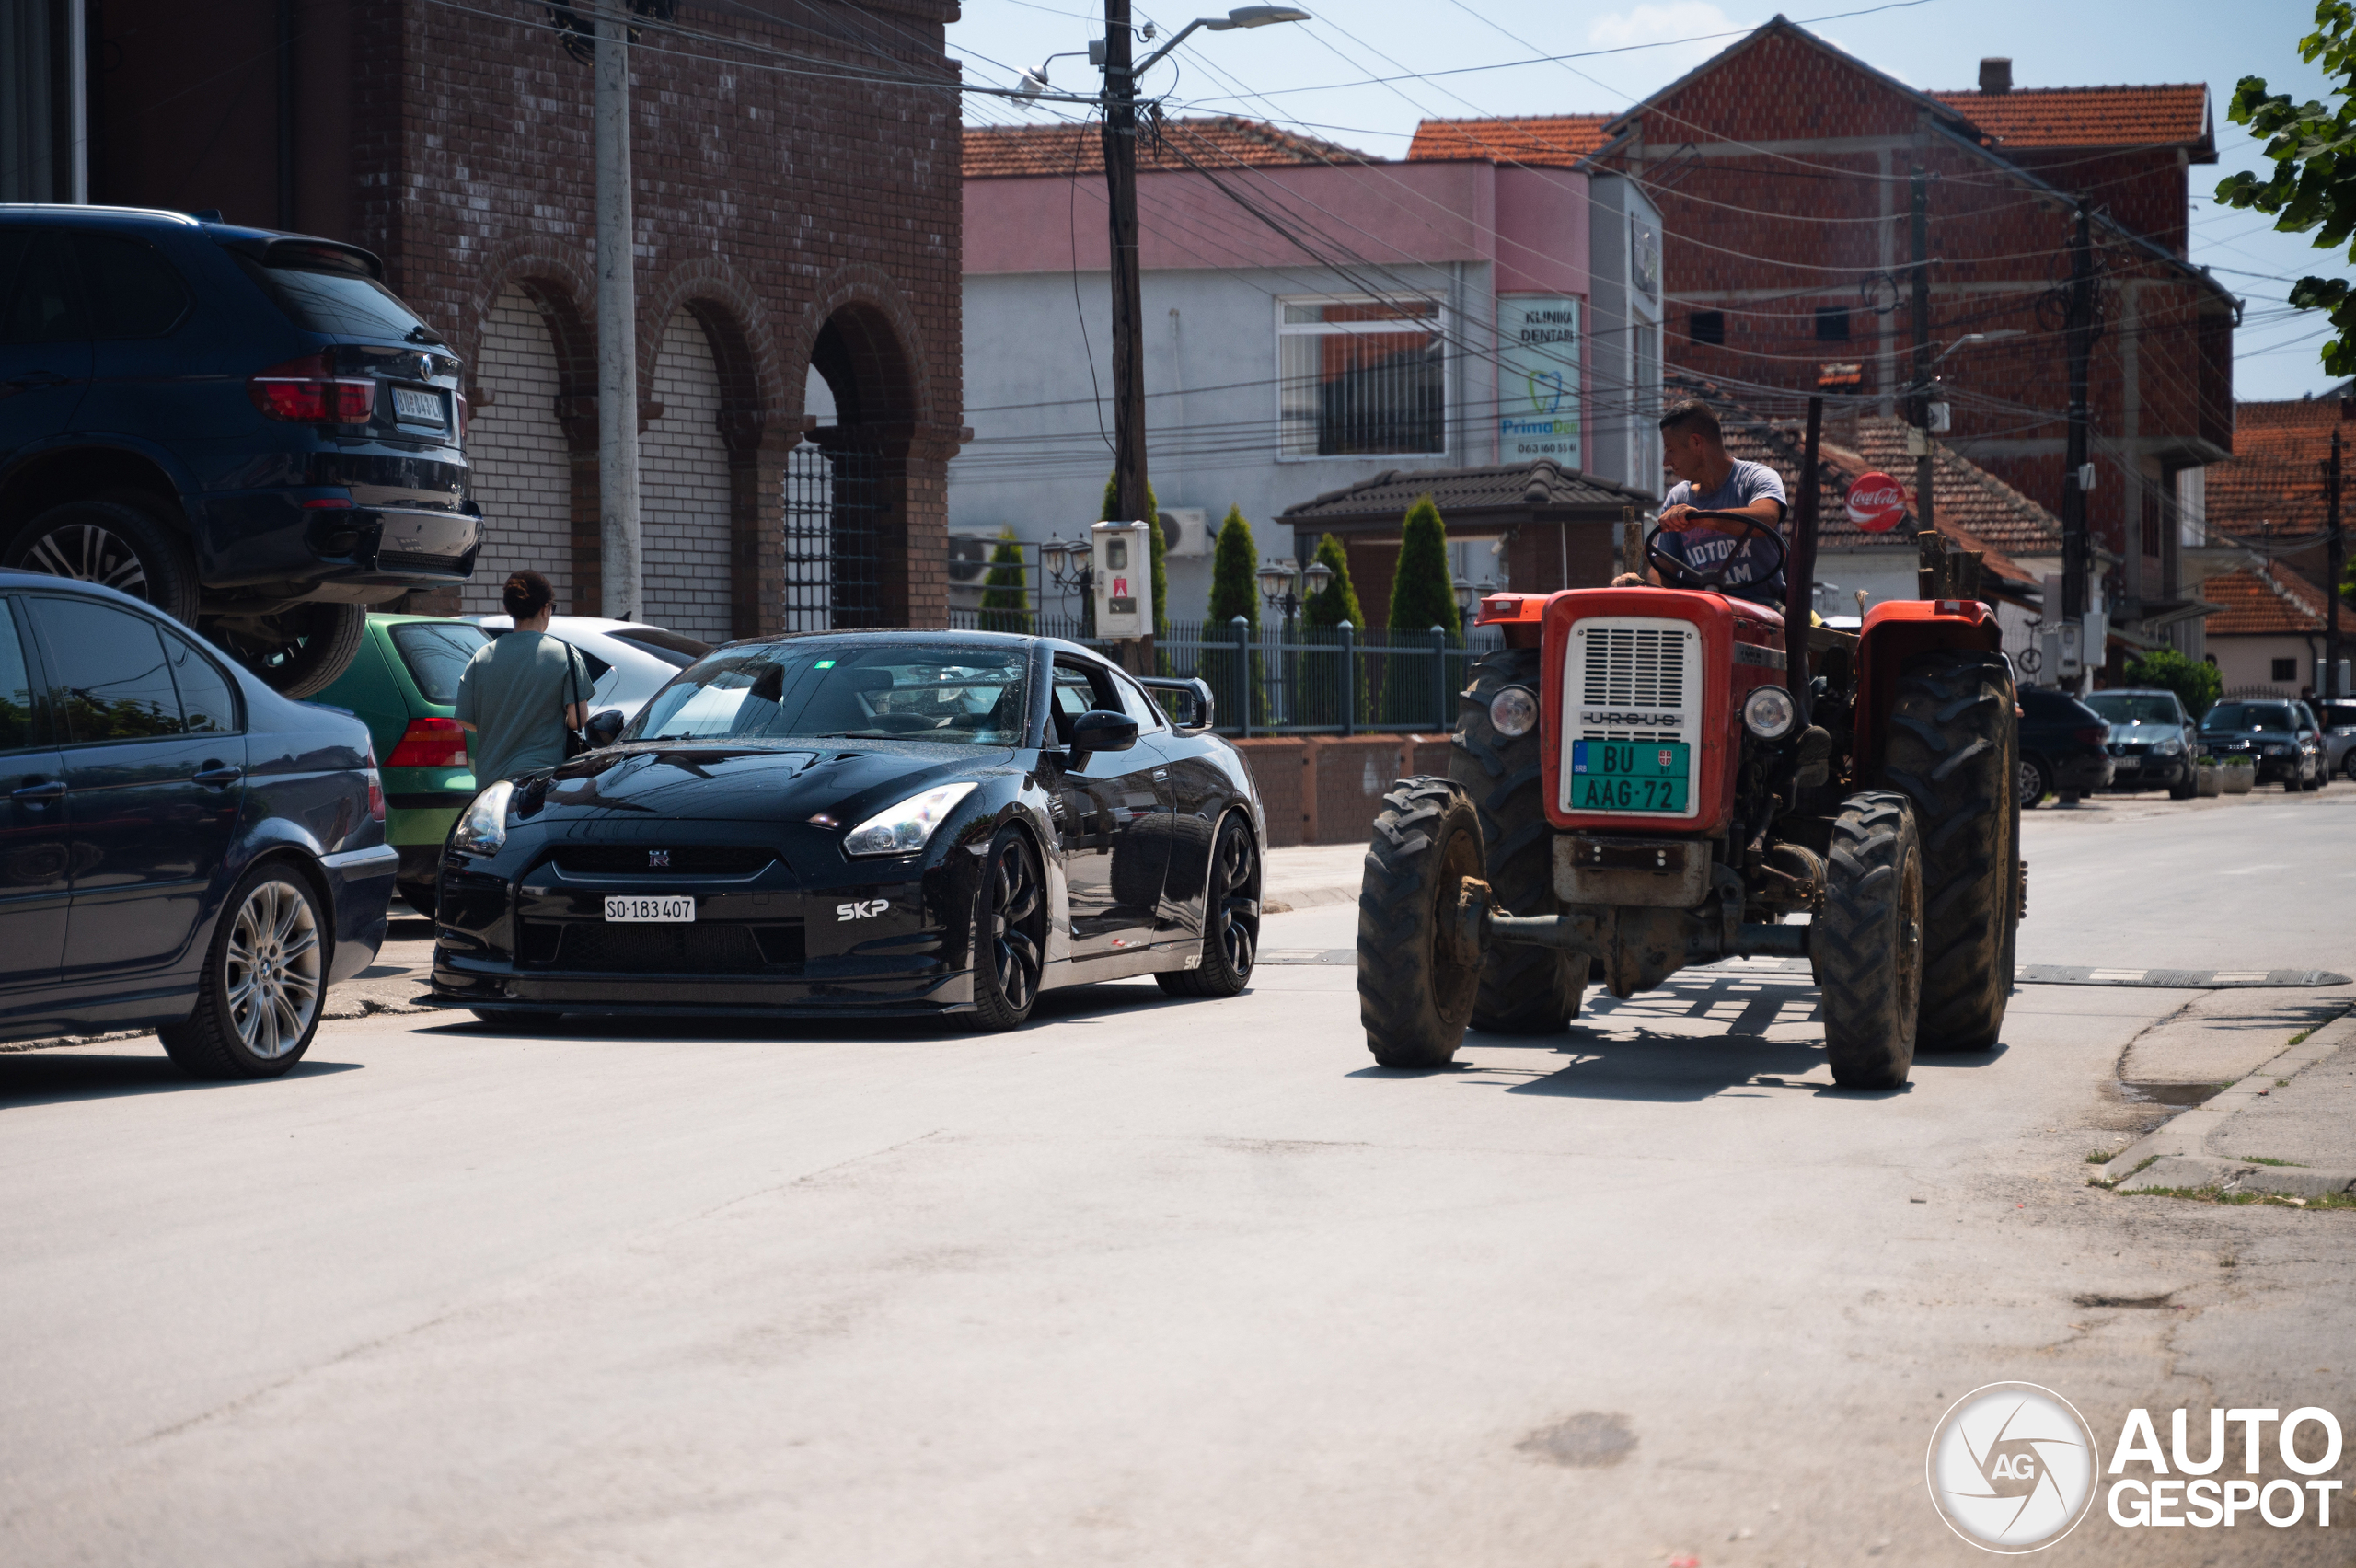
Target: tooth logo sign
2012 1467
1547 391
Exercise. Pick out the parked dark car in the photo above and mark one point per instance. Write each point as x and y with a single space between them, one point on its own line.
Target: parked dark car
244 429
2154 743
2065 746
181 850
2281 737
898 822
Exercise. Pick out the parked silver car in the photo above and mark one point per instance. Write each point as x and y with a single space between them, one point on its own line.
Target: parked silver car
2339 718
2152 740
628 662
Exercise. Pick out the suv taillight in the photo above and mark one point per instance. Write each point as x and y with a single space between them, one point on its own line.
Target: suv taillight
307 391
2091 734
375 787
431 743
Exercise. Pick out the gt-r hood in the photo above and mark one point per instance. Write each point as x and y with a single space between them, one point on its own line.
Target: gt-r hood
718 782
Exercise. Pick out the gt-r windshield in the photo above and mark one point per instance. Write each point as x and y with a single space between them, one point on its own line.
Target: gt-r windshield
844 690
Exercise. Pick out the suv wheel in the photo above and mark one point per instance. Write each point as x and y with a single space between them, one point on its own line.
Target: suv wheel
2035 781
113 544
298 651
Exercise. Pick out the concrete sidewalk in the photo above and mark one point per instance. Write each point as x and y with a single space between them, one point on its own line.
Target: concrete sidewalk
2286 1128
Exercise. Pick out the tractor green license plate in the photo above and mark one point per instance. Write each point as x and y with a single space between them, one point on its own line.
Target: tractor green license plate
1628 776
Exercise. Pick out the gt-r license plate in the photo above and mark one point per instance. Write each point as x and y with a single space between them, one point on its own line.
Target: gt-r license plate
416 408
1628 776
653 911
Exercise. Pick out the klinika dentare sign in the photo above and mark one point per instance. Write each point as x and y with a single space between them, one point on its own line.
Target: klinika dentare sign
1538 378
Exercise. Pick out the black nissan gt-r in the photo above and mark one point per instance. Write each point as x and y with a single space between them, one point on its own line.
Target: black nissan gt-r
885 822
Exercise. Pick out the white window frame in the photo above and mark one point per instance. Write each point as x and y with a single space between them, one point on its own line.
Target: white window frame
1443 323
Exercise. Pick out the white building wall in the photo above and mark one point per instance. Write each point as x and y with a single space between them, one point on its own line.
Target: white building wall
522 470
2246 663
684 470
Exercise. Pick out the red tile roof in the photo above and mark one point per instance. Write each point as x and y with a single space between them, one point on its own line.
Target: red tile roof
2272 486
1546 140
2170 115
2267 600
1222 141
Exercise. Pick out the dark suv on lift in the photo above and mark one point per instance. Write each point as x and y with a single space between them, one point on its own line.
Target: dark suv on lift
246 429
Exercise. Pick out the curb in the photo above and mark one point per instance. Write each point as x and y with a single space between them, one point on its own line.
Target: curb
1287 900
2171 1154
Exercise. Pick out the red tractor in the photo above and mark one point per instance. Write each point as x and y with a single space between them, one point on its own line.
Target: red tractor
1649 778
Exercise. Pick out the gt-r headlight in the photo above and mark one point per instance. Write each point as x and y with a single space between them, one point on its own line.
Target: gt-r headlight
1768 712
1513 711
483 829
905 828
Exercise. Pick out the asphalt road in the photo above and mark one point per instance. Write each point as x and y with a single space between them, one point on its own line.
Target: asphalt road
1154 1282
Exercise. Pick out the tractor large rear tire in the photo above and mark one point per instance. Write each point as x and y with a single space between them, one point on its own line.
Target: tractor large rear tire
1416 982
1524 989
1867 943
1953 748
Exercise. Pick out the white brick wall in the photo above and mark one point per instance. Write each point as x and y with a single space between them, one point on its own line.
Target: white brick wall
684 495
522 478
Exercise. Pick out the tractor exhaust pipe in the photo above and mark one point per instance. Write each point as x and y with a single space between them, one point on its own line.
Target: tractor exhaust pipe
1799 570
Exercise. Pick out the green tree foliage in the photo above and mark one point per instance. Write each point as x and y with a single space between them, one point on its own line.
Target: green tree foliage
1422 597
1338 600
1422 594
2314 184
1235 591
1160 578
1006 600
2197 685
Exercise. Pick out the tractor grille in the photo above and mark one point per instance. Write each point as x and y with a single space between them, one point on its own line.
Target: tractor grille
1626 667
1635 679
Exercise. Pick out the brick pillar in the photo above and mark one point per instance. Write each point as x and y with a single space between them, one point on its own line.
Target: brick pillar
757 449
577 413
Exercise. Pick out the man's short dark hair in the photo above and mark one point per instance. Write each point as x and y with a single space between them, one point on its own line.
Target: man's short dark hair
1690 414
525 593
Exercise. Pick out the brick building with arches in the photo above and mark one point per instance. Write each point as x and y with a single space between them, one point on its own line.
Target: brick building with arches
796 186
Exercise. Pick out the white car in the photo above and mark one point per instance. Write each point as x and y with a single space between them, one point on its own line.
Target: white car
628 662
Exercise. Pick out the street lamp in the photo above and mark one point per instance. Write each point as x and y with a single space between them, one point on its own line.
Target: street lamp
1934 421
1468 598
1241 16
1069 566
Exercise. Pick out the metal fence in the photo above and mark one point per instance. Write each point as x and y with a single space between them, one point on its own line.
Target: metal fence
1295 681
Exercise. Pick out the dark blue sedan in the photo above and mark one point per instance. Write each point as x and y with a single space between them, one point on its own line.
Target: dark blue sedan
181 849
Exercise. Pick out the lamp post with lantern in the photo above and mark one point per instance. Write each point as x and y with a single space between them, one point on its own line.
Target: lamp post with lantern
1277 579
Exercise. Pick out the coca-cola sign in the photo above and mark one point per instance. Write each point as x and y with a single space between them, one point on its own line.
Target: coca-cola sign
1875 502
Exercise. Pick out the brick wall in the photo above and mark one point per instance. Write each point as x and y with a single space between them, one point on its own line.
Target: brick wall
684 489
522 467
1328 789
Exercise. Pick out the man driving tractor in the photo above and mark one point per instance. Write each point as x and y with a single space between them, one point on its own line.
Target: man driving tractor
1709 481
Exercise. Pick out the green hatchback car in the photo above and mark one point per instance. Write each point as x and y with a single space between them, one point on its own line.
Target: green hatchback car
403 684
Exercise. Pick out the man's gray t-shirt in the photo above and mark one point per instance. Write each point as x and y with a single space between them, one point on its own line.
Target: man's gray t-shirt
513 691
1701 549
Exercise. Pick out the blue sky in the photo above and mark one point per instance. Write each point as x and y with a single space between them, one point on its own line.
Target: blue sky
1316 75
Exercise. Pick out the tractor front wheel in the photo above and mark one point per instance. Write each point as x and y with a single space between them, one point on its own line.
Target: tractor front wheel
1524 989
1418 974
1867 943
1953 748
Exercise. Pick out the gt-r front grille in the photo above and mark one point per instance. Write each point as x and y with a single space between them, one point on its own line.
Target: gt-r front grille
768 947
687 860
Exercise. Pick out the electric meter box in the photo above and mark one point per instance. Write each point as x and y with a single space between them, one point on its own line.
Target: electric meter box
1123 559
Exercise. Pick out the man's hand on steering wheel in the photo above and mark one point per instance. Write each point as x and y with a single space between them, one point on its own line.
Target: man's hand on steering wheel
1672 568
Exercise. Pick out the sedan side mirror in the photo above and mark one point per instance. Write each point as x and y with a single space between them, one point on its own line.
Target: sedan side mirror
1102 730
603 727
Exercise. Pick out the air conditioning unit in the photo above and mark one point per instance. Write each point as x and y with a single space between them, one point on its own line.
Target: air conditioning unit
1185 531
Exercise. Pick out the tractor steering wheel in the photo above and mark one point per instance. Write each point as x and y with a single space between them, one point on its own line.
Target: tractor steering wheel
1671 569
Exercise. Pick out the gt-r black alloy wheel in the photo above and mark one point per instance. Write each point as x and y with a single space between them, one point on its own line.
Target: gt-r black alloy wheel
1009 934
1230 919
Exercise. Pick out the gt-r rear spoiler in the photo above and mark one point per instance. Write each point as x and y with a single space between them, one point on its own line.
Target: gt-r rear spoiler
1200 690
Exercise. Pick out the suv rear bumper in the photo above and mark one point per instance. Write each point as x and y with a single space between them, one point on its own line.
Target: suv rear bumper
270 538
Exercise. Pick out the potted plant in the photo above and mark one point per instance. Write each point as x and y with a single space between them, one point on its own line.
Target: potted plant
2208 777
2239 775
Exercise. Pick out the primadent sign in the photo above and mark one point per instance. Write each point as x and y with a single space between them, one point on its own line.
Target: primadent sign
1538 378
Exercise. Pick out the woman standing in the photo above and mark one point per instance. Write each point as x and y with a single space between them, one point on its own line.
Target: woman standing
522 692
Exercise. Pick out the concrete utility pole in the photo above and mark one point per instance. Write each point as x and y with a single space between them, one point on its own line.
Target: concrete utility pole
617 325
1919 405
2073 489
1129 487
2336 553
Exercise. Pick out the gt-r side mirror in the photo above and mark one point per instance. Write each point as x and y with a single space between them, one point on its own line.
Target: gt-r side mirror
1102 730
603 727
